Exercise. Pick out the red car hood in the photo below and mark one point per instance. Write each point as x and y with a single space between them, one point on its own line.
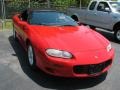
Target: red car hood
72 39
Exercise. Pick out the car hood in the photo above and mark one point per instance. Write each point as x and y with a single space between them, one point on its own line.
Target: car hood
69 38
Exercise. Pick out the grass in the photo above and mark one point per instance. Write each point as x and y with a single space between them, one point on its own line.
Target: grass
7 25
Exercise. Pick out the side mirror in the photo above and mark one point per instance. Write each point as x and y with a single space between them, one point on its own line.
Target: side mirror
23 24
107 9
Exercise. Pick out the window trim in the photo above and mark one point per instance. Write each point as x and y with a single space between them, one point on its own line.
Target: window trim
102 10
95 3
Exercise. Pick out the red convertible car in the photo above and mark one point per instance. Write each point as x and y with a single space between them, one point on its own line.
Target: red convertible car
56 44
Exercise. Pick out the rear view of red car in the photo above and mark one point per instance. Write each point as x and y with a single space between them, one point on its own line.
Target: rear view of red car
59 46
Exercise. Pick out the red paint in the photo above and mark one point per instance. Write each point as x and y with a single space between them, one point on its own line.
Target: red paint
87 46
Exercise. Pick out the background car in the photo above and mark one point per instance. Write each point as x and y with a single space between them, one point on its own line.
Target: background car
103 14
59 46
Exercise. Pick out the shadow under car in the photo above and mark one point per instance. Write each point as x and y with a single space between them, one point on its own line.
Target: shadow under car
52 82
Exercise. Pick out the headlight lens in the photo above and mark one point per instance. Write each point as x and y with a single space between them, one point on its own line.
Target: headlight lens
109 47
59 53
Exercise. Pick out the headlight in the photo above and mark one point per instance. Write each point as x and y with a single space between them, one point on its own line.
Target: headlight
109 47
59 53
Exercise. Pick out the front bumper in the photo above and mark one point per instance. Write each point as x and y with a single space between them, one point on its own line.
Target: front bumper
72 68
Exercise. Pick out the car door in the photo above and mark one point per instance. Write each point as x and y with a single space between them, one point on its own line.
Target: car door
90 16
22 28
103 15
23 31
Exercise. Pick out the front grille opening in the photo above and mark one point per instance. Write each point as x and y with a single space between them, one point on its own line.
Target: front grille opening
92 68
107 63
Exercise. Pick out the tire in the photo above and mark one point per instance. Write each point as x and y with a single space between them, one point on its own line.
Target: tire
92 27
117 35
31 57
74 17
14 34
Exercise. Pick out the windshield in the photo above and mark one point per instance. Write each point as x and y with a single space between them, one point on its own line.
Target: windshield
51 18
115 5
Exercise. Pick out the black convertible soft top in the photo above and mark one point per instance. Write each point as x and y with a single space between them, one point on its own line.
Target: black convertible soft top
40 10
28 11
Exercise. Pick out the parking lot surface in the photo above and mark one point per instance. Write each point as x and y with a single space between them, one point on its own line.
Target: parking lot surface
15 73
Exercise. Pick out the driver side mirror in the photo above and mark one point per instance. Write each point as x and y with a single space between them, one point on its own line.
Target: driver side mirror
107 10
23 24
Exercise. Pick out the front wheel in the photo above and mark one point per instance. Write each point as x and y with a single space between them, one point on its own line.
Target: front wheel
117 35
31 57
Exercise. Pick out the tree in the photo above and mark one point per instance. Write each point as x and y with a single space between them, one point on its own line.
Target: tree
64 3
84 3
13 6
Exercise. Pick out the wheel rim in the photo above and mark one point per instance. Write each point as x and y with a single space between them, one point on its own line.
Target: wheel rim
118 35
30 55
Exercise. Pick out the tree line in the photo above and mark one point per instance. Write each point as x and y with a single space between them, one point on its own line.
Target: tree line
13 6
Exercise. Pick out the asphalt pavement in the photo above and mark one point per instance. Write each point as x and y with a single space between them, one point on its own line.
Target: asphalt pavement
15 73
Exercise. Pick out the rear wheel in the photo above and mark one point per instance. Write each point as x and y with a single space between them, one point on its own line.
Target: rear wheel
31 57
117 35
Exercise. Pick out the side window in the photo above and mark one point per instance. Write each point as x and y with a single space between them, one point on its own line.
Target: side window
92 6
102 6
